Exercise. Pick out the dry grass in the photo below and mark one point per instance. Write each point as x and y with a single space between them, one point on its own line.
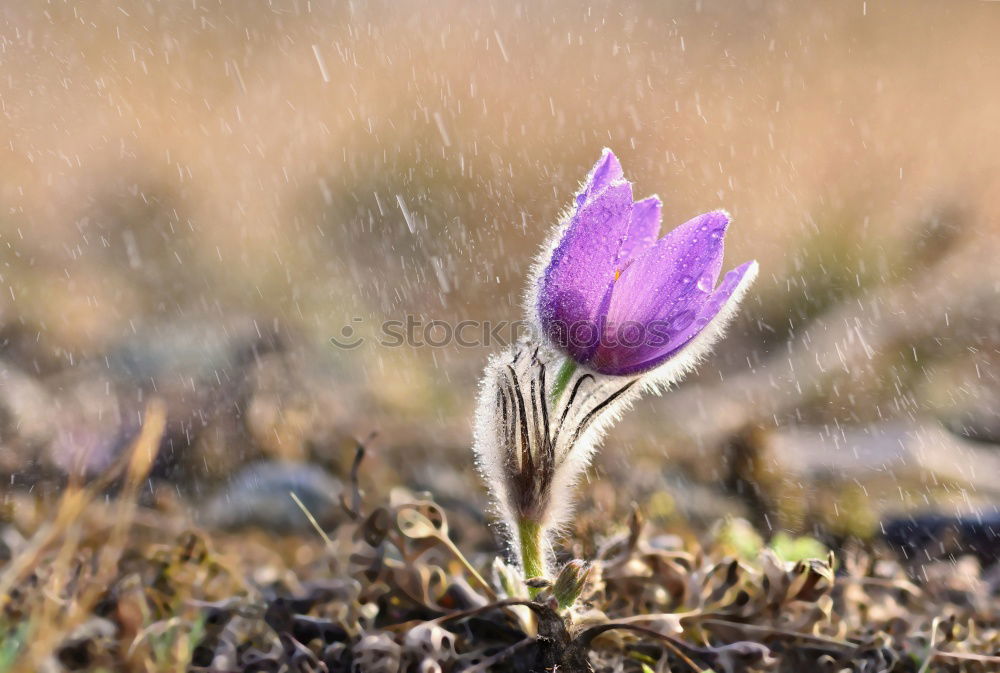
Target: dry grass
108 586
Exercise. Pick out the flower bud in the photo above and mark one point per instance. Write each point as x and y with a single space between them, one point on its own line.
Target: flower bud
569 585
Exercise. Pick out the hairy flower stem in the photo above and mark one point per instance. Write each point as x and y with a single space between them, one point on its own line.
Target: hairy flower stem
530 534
563 377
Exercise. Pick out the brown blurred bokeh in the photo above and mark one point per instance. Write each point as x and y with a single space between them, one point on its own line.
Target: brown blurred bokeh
192 188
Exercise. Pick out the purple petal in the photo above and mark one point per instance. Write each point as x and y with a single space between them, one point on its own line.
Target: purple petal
606 171
720 297
583 267
674 275
642 230
676 333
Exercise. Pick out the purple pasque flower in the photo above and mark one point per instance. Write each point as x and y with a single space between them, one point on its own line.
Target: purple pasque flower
621 302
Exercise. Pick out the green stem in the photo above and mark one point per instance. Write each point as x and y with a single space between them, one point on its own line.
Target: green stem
530 534
562 379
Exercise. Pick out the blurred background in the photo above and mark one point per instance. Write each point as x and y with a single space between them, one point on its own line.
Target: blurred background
197 196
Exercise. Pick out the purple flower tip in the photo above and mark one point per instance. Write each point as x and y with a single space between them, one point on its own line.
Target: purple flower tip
622 302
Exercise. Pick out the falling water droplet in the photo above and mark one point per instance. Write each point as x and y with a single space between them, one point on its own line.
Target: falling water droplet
410 224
